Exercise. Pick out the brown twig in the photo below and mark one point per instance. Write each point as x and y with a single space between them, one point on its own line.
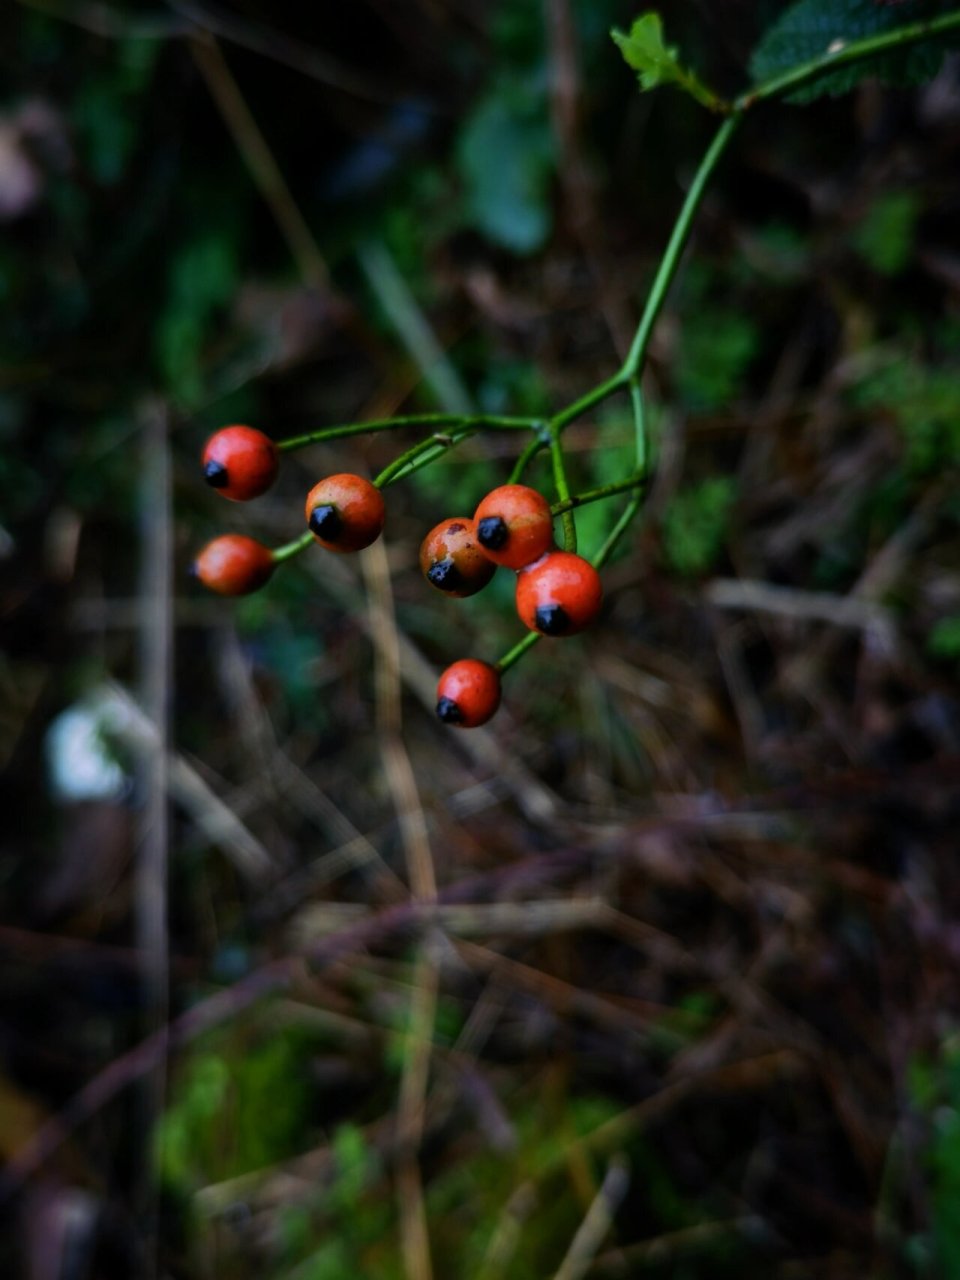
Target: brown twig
259 159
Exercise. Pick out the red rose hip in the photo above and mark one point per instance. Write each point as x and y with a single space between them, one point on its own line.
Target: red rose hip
468 693
240 462
514 525
559 595
345 512
452 561
234 565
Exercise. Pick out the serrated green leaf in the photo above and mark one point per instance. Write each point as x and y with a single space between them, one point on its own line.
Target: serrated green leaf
809 28
644 50
657 63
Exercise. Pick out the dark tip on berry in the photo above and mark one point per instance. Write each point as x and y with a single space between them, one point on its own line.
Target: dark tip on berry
445 575
455 527
215 474
492 532
552 620
325 522
448 711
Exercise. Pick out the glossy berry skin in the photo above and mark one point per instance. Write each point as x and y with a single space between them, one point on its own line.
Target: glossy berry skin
345 512
514 525
240 463
234 565
452 561
468 693
559 595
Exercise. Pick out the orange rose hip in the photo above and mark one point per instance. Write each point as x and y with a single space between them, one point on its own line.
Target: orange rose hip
514 525
451 560
559 595
240 462
234 565
468 693
345 512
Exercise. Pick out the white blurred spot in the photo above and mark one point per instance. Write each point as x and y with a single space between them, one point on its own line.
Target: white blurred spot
78 763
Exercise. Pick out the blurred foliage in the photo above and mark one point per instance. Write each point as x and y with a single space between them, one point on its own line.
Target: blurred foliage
506 159
231 1112
934 1084
695 525
887 234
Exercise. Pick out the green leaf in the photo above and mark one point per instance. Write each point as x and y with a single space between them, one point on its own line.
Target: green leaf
643 49
809 28
506 161
657 63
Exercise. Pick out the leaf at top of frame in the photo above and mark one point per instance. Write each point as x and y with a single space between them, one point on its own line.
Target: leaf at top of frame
643 49
808 28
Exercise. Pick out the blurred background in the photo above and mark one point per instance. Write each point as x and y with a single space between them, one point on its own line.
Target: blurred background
687 1006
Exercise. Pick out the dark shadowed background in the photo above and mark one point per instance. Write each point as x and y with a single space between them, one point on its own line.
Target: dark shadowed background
688 1005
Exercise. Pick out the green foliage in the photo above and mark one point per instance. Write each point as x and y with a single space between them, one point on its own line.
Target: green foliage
695 525
935 1092
944 640
716 348
203 275
886 236
505 156
657 63
233 1109
105 110
808 28
925 403
643 49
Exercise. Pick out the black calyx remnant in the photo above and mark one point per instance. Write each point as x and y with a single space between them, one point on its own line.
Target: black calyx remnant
492 532
448 711
325 522
215 474
445 575
552 620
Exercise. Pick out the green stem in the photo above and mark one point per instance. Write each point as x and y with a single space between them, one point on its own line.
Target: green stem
639 427
619 529
420 455
291 549
579 407
852 51
492 422
674 251
531 450
516 653
563 493
597 495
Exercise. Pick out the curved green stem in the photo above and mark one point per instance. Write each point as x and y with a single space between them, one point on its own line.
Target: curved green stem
516 653
291 549
674 250
579 407
420 455
491 422
530 451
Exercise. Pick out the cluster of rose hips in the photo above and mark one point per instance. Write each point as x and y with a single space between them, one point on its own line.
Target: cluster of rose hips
558 592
